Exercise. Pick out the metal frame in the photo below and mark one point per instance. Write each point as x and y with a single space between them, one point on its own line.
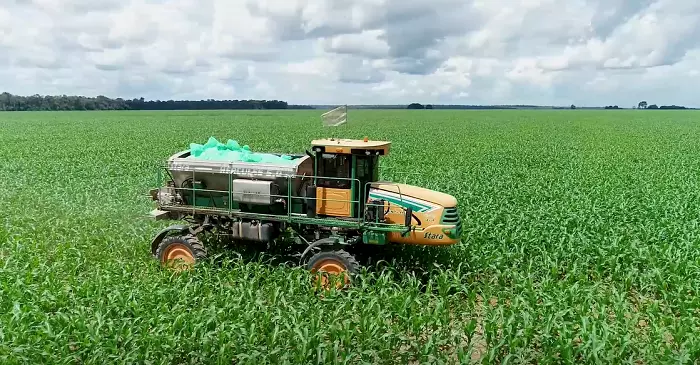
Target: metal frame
358 222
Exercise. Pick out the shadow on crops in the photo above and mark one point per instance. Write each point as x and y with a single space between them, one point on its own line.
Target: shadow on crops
423 263
420 262
222 248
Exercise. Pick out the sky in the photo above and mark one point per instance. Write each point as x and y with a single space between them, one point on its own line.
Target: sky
544 52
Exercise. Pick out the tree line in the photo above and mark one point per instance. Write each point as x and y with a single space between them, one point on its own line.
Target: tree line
9 102
641 105
452 106
645 105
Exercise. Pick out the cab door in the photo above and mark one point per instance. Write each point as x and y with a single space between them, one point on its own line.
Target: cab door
366 171
333 185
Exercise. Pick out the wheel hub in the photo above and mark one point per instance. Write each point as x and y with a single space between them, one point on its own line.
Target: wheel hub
328 271
178 255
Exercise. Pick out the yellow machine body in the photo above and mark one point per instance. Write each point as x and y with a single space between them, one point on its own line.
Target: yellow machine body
435 215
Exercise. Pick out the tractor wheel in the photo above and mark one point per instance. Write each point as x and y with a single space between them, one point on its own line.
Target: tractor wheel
333 266
181 252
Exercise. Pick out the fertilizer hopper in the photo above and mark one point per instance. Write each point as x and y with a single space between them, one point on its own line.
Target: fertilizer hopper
204 183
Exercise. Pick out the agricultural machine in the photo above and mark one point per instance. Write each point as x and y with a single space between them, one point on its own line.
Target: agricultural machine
328 198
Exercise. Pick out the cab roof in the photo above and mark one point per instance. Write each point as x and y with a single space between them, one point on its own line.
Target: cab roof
351 146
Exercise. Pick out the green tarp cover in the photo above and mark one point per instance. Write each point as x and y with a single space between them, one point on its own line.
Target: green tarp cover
214 150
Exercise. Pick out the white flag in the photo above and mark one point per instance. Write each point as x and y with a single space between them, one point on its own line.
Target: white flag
335 117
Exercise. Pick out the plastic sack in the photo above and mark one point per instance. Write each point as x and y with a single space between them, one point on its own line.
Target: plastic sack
232 151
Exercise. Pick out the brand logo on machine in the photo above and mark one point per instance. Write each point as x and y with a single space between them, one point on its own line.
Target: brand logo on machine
433 236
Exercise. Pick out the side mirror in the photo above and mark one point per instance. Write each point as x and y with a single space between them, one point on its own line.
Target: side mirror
381 213
409 217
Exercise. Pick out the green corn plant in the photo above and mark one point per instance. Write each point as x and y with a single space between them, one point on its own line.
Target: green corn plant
579 245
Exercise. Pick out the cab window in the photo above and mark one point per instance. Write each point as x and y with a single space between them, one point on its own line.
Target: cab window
334 166
366 168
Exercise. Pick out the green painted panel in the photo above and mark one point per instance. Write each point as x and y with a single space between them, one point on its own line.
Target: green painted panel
374 237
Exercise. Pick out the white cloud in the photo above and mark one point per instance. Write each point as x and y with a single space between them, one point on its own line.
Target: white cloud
313 67
586 52
370 44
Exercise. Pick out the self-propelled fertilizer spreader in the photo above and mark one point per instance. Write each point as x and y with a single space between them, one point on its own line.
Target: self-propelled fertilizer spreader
329 198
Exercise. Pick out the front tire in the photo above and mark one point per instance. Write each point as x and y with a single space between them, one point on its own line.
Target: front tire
181 252
333 267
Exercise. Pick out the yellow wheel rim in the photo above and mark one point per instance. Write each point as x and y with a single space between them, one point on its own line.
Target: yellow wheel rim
178 257
327 272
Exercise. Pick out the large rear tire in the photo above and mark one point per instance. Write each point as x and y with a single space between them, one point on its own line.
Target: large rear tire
181 252
333 267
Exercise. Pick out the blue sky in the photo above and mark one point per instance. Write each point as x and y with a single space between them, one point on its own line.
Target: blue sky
548 52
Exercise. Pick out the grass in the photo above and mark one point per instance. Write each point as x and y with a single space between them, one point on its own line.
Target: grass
580 244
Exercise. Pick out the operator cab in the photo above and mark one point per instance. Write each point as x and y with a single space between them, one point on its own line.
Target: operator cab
343 169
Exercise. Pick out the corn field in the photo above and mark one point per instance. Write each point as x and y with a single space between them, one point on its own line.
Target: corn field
581 244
